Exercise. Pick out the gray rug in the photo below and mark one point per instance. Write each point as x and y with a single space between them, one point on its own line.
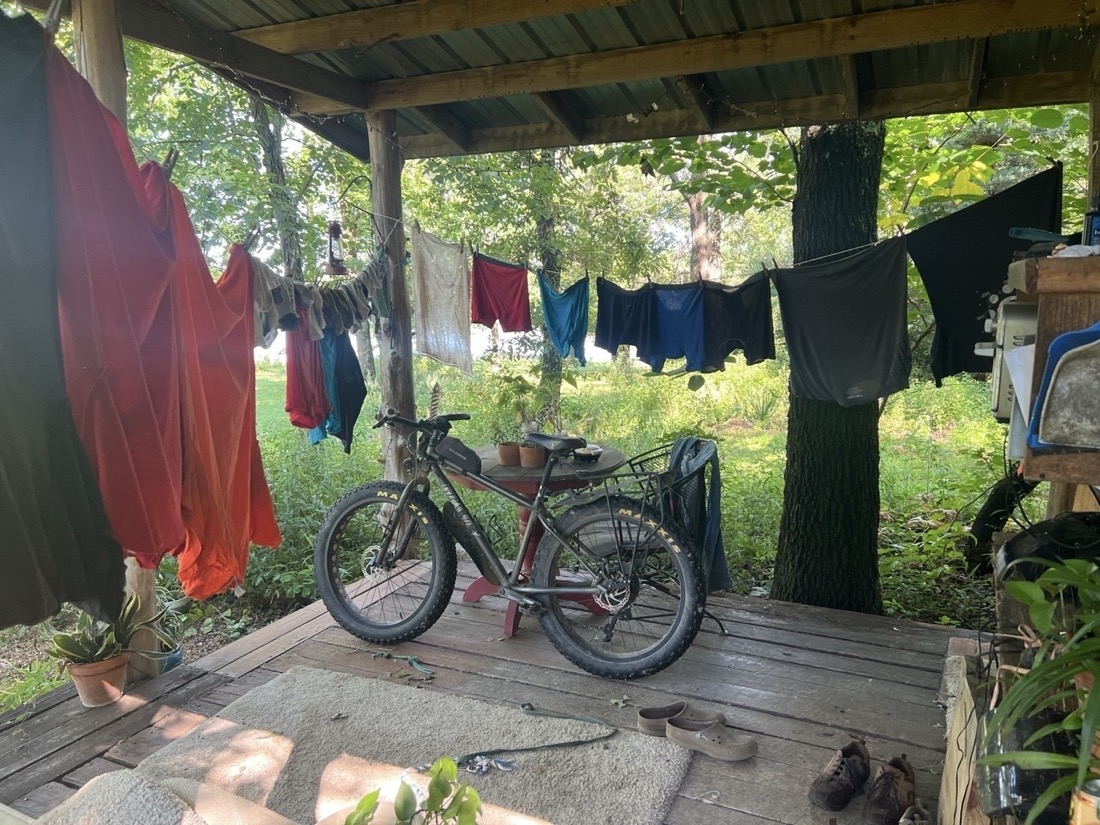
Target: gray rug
311 741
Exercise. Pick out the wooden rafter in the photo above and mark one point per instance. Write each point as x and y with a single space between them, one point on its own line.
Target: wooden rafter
694 90
831 37
850 77
158 25
404 21
559 112
447 125
977 67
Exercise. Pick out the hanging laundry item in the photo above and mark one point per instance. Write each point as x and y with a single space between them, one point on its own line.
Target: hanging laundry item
566 316
679 326
703 521
845 325
738 317
498 292
376 277
441 290
274 303
964 257
225 500
344 388
57 543
306 399
119 338
626 317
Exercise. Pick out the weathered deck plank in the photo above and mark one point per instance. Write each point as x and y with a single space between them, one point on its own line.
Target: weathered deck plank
803 680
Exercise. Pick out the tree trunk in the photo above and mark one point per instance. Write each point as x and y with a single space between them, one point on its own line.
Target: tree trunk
828 533
270 130
550 362
706 239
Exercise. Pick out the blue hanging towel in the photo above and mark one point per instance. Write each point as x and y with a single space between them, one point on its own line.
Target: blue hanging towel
566 316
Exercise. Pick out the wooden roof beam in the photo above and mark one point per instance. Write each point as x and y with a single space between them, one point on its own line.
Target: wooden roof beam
447 125
560 113
694 90
405 21
832 37
850 79
1049 89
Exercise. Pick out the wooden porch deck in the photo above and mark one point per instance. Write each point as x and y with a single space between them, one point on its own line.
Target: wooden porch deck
804 680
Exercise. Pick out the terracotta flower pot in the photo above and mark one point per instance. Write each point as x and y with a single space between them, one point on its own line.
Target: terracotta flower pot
532 456
508 453
100 683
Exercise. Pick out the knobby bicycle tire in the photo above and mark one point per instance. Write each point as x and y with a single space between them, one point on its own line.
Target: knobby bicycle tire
656 605
394 601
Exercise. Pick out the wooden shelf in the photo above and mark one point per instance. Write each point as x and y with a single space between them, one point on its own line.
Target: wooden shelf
1068 290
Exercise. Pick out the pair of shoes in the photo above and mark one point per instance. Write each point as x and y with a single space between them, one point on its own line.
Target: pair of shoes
697 729
652 721
891 792
842 777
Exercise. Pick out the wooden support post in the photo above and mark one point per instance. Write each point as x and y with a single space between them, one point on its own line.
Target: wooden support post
99 54
396 350
99 58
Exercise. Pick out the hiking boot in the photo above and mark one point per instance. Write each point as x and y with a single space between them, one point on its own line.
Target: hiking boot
842 777
891 792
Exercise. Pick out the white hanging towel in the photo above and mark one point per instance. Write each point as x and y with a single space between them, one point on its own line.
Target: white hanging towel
441 290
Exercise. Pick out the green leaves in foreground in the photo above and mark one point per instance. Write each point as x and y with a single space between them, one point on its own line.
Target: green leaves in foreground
448 802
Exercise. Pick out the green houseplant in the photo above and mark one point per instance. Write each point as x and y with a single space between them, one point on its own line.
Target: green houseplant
448 802
1064 608
96 653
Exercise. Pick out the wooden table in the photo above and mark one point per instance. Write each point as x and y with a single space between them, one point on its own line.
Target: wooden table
567 475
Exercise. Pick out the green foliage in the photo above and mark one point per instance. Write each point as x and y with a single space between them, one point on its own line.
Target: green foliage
1064 606
448 802
95 641
24 684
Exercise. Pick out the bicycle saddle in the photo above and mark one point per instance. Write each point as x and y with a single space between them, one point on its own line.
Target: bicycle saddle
556 443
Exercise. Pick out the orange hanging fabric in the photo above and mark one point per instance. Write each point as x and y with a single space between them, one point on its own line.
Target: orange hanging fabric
225 500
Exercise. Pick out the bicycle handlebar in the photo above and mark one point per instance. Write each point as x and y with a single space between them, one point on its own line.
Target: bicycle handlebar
441 423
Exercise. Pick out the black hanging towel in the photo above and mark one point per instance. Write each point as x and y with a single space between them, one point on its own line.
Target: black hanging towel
845 325
964 257
57 542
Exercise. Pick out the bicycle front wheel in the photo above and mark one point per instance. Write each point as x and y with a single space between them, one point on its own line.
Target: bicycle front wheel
384 574
651 596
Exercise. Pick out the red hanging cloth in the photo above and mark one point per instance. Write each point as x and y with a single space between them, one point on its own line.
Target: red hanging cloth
119 339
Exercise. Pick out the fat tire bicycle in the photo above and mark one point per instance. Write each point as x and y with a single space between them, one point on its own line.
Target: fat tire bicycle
615 584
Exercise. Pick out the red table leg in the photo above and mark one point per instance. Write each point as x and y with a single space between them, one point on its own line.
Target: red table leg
481 586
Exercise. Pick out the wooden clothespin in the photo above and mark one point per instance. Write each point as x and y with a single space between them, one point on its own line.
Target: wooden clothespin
250 238
170 162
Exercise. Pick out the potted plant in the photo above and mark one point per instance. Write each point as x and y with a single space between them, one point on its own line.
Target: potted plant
528 402
96 653
1064 608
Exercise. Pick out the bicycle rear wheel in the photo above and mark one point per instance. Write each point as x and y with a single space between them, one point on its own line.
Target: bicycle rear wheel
652 598
384 591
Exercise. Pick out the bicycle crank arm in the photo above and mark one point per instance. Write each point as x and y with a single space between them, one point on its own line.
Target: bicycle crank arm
527 605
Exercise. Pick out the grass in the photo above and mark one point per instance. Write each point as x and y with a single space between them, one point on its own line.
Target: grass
939 450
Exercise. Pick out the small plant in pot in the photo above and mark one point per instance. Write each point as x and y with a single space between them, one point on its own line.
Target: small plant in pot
1064 608
96 653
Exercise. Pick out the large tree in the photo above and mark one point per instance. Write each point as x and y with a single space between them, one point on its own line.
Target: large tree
827 551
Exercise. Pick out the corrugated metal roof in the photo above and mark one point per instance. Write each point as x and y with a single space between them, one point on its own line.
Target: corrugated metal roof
503 77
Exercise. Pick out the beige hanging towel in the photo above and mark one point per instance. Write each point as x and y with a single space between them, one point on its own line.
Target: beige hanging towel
441 289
